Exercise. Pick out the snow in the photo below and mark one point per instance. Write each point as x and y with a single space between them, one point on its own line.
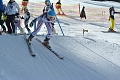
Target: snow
94 56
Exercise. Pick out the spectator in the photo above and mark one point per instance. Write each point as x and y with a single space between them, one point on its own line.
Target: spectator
83 14
17 23
11 10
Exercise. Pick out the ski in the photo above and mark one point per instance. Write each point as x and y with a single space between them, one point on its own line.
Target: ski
29 46
110 32
50 49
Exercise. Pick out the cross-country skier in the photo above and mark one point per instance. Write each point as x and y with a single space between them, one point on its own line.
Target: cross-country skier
48 18
111 18
26 19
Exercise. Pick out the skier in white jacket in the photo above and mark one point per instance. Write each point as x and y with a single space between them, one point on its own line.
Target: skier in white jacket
48 18
11 10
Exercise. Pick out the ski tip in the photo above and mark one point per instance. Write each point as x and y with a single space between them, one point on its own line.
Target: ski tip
33 55
62 58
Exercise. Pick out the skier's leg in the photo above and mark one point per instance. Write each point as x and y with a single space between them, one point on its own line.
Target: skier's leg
49 29
111 24
35 31
26 26
61 10
16 24
48 36
2 24
12 23
8 25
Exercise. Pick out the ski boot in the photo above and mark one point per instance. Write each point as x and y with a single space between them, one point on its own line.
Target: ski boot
30 39
29 32
58 13
46 43
63 13
111 30
21 30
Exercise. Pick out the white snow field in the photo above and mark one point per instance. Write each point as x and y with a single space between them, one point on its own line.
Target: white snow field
94 56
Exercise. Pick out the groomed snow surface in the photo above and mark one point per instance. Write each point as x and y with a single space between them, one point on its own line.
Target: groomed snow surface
94 56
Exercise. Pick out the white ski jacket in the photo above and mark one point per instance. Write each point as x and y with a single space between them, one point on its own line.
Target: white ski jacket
11 8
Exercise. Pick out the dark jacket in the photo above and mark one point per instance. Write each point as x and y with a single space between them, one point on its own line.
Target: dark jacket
1 5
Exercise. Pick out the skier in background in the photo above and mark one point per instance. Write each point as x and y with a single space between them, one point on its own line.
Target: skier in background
26 19
47 6
59 9
24 4
83 14
48 18
111 18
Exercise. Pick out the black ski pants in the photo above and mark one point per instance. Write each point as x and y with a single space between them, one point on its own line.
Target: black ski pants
10 24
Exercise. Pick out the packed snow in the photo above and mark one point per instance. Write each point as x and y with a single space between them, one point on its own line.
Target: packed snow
92 56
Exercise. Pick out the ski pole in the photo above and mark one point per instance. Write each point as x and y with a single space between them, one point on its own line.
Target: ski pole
57 18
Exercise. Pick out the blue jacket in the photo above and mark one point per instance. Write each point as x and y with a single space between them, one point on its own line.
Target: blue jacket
1 5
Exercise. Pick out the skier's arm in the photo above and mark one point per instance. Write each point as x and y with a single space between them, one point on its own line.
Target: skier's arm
28 14
43 9
17 6
117 12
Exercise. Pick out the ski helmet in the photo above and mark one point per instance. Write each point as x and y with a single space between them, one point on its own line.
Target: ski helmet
47 1
111 8
51 14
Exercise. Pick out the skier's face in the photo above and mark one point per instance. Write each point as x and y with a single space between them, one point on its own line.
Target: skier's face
51 18
47 3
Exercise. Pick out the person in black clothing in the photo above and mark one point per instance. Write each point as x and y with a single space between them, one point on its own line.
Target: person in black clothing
111 18
83 14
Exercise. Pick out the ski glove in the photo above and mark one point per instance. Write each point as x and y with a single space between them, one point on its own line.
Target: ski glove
34 20
31 24
17 14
